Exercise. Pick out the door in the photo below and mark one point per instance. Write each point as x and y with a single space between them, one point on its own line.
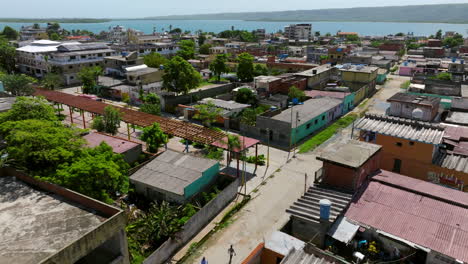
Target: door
397 166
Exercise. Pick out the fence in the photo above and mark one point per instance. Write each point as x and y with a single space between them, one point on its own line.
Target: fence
194 225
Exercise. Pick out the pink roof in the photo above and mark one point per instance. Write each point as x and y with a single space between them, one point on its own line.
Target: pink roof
423 213
119 145
246 143
316 93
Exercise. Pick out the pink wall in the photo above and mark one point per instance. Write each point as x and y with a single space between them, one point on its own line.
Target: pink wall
409 70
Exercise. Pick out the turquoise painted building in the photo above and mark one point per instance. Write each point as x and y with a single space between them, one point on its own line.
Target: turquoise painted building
175 177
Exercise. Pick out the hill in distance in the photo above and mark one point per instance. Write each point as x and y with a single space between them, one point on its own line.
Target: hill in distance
445 13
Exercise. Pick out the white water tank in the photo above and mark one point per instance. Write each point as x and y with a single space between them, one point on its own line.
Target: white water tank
417 114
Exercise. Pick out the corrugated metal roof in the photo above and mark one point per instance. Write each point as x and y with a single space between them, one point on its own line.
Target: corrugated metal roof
420 212
452 162
301 257
402 128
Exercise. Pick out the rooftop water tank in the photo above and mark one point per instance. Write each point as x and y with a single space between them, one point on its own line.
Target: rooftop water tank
325 206
417 114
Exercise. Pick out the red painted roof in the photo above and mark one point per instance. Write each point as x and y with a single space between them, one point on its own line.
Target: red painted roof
119 145
246 143
423 213
316 93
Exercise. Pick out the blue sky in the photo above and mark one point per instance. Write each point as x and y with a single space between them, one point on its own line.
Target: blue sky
145 8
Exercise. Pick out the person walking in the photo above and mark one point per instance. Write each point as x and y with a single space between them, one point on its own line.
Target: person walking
231 254
204 261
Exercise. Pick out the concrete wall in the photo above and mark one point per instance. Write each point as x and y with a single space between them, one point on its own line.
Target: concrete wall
194 225
348 103
405 110
169 103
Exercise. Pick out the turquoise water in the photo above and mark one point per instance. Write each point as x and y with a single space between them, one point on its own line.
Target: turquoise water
363 28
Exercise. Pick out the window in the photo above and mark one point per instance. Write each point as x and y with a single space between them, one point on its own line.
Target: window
71 77
159 49
142 51
396 166
72 57
263 131
316 121
323 117
83 56
411 143
398 144
108 54
70 67
99 55
308 125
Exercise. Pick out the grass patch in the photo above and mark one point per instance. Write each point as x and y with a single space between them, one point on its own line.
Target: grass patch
327 133
405 85
277 170
255 190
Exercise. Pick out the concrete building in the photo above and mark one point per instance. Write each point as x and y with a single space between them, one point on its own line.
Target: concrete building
33 33
316 54
298 31
116 65
411 106
346 97
288 127
130 150
164 48
260 33
318 77
45 223
346 166
175 177
6 102
267 85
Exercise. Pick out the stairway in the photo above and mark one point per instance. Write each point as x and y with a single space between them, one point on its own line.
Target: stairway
307 207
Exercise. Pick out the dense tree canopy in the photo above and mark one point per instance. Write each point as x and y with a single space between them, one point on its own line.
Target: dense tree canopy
245 68
155 60
205 49
186 49
7 56
89 77
109 122
18 84
295 92
207 113
260 69
219 66
29 108
154 137
246 96
180 76
97 172
9 33
40 146
151 104
52 81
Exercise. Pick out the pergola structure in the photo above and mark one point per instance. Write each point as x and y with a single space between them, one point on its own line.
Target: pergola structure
169 126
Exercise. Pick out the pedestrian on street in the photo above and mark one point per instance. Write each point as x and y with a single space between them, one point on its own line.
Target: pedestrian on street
231 254
204 261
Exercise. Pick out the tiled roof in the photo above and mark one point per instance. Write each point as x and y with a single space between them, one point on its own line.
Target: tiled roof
420 212
402 128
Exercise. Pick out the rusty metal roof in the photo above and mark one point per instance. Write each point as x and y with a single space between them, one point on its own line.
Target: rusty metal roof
420 212
173 127
402 128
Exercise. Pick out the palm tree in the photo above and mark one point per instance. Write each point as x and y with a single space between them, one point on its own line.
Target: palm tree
233 142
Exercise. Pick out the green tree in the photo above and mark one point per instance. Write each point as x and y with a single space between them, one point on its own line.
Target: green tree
109 122
454 41
55 36
97 172
439 34
7 57
180 76
249 116
219 66
201 39
41 146
154 137
233 143
260 69
205 49
444 76
155 60
246 96
352 38
317 33
29 108
10 33
151 104
52 81
186 49
294 92
89 77
175 31
245 69
18 84
207 113
400 34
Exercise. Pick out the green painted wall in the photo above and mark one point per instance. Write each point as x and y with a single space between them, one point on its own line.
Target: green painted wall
310 127
348 103
208 176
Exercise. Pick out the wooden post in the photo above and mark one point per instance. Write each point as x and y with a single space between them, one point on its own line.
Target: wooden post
256 156
83 116
128 131
237 164
71 114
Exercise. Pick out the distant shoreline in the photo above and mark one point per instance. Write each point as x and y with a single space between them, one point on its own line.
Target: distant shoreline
57 20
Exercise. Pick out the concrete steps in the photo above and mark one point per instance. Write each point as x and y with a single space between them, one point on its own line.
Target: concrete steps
307 207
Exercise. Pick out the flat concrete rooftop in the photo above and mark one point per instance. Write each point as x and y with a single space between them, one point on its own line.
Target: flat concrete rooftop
35 224
352 153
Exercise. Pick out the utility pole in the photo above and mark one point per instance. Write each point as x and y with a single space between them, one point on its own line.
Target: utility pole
268 147
295 143
291 134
